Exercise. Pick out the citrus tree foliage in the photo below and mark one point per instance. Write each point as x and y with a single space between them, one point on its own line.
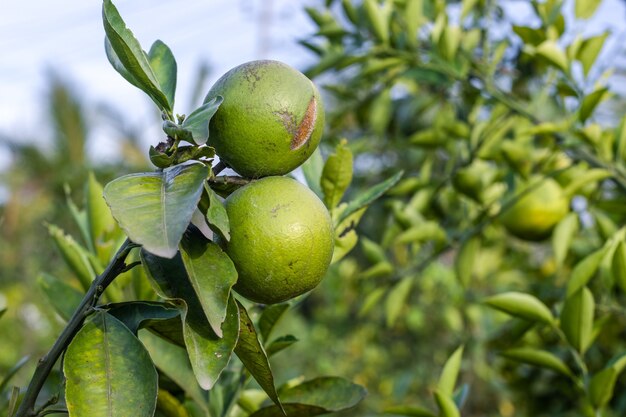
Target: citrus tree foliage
153 326
506 233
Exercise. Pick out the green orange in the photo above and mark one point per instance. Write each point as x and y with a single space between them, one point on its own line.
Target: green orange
540 206
271 119
281 239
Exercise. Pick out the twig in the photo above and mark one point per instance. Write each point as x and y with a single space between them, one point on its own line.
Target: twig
45 365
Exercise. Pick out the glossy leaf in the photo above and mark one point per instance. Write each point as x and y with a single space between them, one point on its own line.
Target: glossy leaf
164 66
337 175
314 397
74 255
447 407
397 299
198 120
130 56
539 358
280 344
450 373
369 196
584 271
216 215
521 305
312 170
618 265
562 237
577 319
155 208
251 353
584 9
63 297
208 353
140 314
269 318
108 371
173 361
602 384
211 273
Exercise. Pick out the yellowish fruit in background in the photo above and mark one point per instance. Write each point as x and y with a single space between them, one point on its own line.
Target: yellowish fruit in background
281 239
541 205
271 119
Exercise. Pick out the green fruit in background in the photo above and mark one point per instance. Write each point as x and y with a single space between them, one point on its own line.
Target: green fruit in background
281 239
271 119
537 211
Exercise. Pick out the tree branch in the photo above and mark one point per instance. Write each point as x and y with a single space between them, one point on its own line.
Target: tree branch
45 365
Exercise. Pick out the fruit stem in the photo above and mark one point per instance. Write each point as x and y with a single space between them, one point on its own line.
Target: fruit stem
46 363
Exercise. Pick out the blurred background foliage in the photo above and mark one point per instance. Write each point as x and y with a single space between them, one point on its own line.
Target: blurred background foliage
474 108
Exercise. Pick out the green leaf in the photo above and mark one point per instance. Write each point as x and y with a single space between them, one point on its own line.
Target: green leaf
211 273
173 361
371 300
198 121
269 317
396 299
337 175
312 170
155 208
314 397
216 215
108 371
279 344
446 405
467 6
602 384
130 56
450 373
378 18
589 50
539 358
164 67
345 234
74 255
63 297
409 411
169 406
208 353
584 271
590 102
577 319
6 378
562 237
552 52
102 226
368 197
141 314
521 305
373 251
584 9
465 260
618 265
250 351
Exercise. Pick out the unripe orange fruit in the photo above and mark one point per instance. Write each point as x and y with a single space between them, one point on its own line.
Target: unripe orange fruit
271 119
281 239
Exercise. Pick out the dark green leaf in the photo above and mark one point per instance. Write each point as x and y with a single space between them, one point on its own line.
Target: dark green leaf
369 196
315 397
590 102
577 319
130 55
211 273
108 371
208 353
270 316
539 358
618 265
173 361
164 67
216 215
63 297
279 344
140 314
155 208
251 353
198 121
521 305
